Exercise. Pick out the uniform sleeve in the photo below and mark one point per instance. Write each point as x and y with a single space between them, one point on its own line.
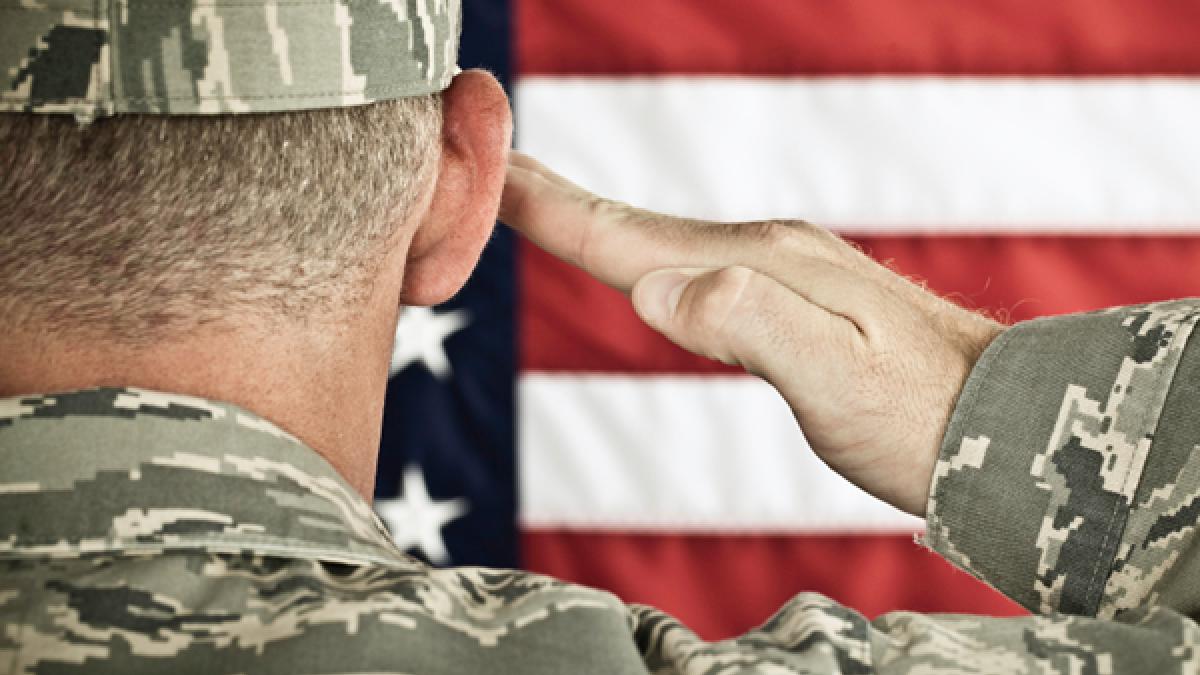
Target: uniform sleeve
1069 475
1069 479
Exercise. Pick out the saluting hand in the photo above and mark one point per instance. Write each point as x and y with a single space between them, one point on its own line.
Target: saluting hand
870 362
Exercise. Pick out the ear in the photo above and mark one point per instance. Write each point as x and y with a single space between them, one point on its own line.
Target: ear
448 240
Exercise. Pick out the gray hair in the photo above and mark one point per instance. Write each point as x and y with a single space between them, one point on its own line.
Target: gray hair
138 226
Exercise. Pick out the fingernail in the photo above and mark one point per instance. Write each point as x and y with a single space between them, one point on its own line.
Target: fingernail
658 295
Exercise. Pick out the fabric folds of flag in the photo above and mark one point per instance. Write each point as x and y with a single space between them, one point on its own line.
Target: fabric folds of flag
1024 158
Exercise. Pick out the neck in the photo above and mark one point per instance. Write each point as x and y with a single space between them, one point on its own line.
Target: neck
323 384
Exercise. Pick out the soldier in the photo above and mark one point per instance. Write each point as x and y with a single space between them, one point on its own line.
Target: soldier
210 214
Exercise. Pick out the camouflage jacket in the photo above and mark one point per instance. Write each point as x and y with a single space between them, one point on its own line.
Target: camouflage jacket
144 532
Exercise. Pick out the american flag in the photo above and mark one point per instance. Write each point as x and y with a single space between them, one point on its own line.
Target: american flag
1020 156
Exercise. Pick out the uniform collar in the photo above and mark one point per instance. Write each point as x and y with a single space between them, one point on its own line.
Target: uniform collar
130 470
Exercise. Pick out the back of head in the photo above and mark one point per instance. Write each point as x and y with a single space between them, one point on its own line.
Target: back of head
163 167
138 224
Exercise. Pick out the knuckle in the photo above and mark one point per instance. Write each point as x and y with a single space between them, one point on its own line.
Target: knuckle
825 243
605 209
597 206
598 211
768 233
720 299
798 237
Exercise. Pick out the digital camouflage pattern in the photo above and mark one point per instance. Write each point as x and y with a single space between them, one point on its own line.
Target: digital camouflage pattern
141 532
221 56
1102 468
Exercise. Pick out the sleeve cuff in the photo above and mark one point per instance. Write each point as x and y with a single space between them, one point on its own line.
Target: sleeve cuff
1037 483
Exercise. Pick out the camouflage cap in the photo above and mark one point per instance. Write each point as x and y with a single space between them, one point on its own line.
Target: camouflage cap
183 57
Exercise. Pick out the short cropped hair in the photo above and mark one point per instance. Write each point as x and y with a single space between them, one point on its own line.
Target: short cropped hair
137 226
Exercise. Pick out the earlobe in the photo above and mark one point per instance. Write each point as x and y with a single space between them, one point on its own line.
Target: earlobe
446 245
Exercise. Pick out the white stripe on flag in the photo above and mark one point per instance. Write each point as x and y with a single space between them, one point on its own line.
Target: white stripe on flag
678 453
880 154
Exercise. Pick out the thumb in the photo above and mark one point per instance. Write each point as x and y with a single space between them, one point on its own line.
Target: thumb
656 295
741 317
707 311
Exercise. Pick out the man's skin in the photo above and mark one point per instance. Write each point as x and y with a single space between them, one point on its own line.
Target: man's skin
322 379
871 363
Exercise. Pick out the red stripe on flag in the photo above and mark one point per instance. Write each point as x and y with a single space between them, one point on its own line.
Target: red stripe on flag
769 37
570 323
724 585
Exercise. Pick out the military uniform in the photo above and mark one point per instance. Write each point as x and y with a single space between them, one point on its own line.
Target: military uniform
188 57
145 532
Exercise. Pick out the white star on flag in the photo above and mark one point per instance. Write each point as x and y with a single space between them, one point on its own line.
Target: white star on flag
416 520
421 336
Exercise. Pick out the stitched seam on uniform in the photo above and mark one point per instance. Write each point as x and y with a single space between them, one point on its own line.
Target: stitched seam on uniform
934 518
291 552
1112 525
294 548
252 539
264 97
1116 524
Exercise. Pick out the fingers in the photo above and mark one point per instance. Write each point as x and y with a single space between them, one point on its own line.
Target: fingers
741 317
618 244
869 362
545 208
595 234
